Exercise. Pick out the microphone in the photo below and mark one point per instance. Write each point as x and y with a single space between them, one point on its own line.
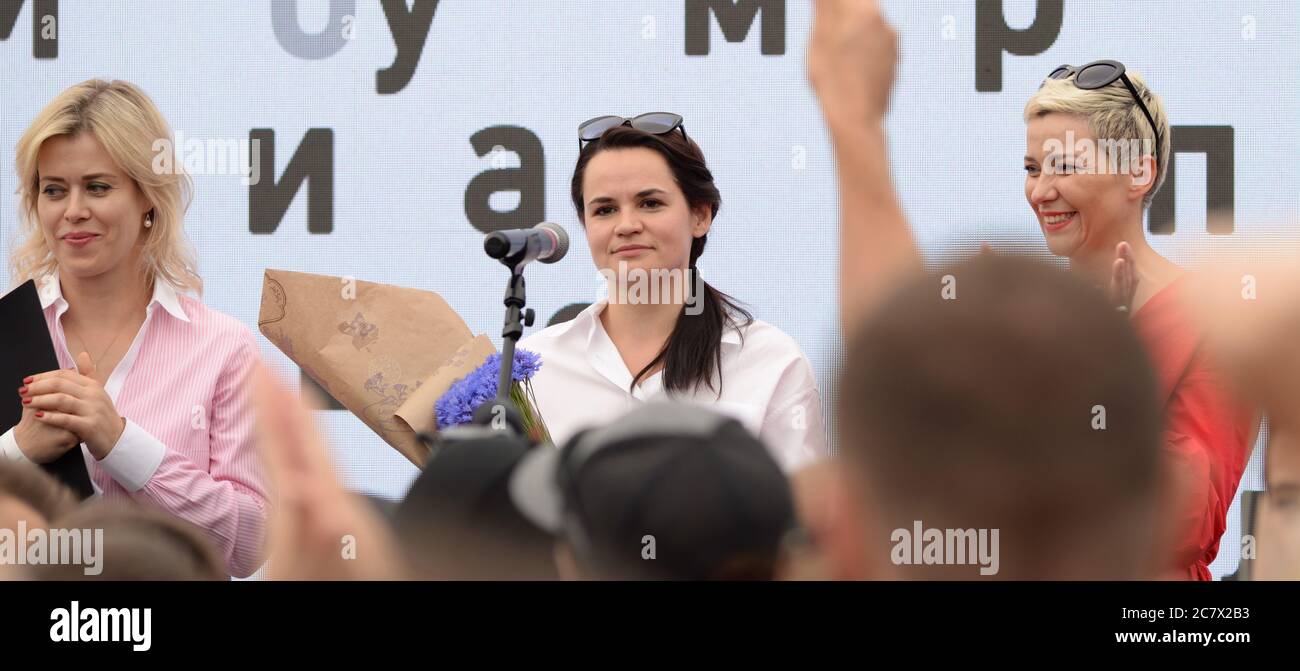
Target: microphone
545 242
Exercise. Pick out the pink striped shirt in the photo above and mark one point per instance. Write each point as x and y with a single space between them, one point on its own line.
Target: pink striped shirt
188 443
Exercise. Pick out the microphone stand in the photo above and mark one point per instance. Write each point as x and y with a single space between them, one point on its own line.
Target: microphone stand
501 414
516 318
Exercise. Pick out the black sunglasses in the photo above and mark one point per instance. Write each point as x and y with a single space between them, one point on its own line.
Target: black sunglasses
1099 74
655 123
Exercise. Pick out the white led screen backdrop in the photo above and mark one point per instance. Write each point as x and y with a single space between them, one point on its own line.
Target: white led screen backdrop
393 134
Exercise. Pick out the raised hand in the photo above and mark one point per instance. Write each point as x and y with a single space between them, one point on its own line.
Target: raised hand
314 520
852 54
1123 278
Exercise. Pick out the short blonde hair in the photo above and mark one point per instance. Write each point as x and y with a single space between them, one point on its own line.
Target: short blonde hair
1111 113
128 124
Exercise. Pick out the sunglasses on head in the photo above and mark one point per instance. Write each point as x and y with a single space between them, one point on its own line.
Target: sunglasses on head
1099 74
655 123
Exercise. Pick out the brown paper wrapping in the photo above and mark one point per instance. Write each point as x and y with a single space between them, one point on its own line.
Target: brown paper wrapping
417 411
376 348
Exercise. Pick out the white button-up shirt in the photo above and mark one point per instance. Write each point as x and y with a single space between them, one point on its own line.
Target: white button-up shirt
767 384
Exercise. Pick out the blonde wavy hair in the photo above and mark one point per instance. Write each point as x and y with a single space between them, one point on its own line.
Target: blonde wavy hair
129 126
1112 114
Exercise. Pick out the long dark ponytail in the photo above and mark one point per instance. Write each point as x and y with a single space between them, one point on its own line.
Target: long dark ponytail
693 350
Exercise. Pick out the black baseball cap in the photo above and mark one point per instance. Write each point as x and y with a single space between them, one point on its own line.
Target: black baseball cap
668 491
457 521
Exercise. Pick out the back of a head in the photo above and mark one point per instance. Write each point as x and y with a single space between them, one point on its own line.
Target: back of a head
139 543
1003 394
31 495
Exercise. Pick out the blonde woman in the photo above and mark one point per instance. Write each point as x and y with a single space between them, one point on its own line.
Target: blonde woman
1098 150
152 386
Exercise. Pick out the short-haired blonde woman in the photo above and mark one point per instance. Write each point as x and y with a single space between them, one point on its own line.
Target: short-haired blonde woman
1098 150
152 386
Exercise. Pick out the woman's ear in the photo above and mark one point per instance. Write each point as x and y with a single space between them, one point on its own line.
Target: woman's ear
1142 177
701 221
147 208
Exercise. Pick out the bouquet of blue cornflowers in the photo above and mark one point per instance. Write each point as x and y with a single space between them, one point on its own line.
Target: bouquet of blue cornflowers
457 405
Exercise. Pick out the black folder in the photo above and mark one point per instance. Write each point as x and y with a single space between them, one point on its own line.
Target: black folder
26 349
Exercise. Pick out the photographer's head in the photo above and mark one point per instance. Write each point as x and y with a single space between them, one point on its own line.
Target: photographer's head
668 491
458 522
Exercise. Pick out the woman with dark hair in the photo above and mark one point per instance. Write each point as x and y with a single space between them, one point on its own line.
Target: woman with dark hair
646 199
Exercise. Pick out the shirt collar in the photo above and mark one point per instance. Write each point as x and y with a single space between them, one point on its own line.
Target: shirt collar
163 294
584 323
731 337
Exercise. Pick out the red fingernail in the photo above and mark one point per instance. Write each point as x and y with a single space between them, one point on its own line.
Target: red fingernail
26 401
40 414
22 390
27 380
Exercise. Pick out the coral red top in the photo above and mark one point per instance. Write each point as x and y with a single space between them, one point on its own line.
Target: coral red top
1207 430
